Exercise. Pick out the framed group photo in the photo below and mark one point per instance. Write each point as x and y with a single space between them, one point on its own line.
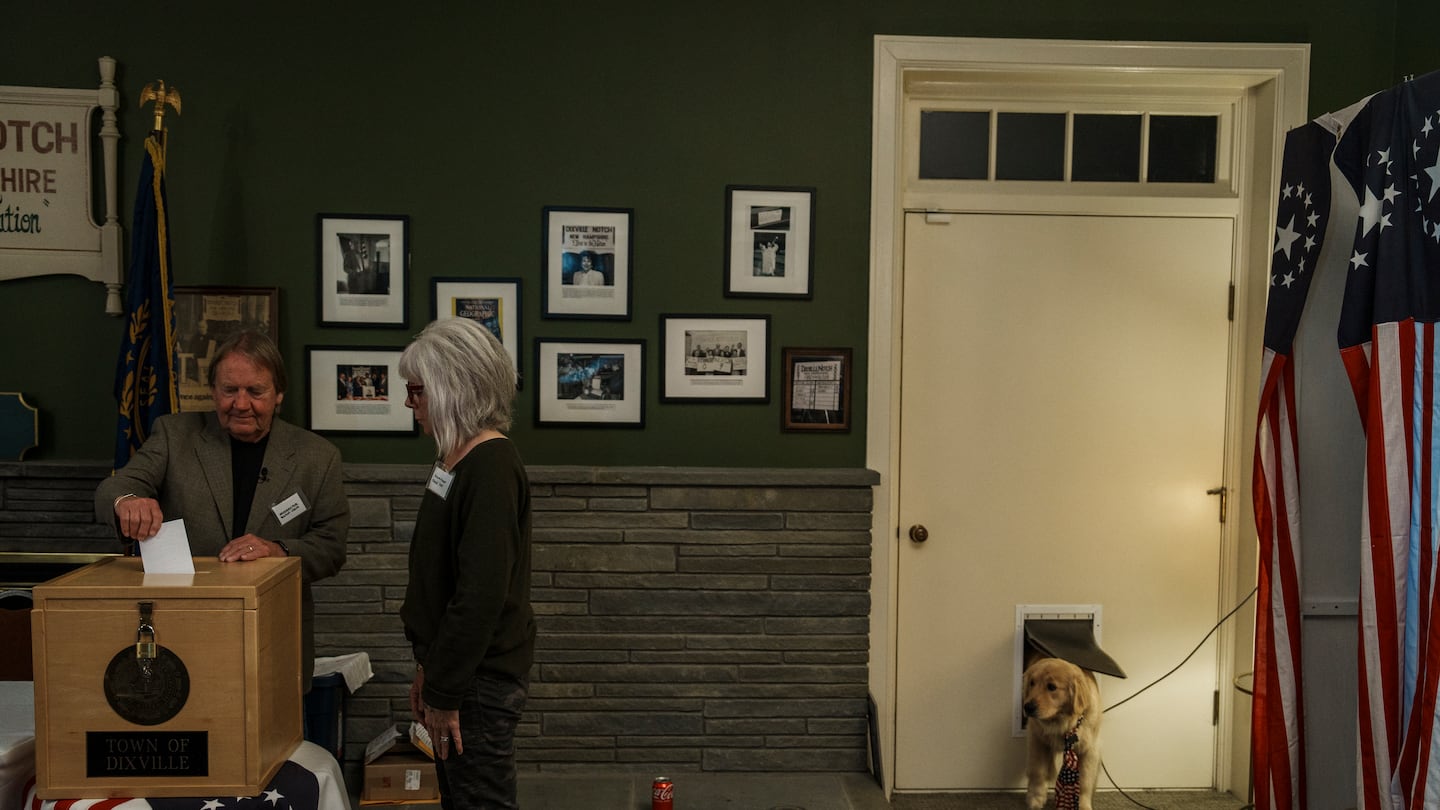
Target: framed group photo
714 358
362 266
817 389
596 383
204 318
769 239
357 390
494 303
588 268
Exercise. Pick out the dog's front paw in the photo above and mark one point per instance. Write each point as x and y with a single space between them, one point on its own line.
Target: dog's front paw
1036 795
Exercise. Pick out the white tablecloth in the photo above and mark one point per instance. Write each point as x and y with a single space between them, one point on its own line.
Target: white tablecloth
17 742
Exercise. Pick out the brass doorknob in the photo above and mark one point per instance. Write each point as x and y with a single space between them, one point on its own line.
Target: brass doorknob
919 533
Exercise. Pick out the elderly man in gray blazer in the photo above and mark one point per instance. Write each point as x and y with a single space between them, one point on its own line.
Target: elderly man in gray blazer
247 486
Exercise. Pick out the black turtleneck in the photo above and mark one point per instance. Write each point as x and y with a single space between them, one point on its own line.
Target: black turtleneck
247 466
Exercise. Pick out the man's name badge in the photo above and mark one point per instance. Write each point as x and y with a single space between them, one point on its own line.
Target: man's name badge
440 481
289 509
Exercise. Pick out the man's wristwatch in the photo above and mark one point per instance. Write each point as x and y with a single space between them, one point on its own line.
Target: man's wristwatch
282 546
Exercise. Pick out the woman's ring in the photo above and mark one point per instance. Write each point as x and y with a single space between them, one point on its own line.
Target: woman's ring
444 739
249 548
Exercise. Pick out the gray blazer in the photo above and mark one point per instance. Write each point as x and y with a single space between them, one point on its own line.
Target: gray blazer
185 465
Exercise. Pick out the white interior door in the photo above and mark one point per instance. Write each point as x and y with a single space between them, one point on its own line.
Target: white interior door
1062 416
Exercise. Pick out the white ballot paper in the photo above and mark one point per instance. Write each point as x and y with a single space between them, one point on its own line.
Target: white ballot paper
168 552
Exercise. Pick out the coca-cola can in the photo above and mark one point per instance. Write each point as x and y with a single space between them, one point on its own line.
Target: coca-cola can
662 794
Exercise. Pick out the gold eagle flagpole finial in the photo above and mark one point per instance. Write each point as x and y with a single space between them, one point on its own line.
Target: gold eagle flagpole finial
161 97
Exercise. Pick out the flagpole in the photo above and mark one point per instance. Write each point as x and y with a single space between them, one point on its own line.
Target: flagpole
158 93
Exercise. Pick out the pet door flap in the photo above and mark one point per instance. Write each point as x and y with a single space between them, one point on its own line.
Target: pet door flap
1072 640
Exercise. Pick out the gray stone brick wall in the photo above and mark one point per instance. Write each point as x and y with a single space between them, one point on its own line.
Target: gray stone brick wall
690 619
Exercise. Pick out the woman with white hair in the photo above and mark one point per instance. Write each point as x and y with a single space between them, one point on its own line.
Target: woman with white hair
467 607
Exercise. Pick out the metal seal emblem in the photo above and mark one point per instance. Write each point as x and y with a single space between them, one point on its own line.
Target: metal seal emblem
147 691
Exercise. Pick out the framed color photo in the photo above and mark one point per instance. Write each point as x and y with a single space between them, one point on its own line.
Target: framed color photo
817 389
204 318
362 270
596 383
769 239
494 303
588 263
714 358
357 390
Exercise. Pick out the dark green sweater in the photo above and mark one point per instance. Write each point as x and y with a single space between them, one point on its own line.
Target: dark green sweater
467 606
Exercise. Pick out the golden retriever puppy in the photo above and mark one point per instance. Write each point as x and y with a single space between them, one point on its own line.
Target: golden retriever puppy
1061 700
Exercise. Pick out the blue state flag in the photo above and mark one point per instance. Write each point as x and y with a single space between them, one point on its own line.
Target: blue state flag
145 381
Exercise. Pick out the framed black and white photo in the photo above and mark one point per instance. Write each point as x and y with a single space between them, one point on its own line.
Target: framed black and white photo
769 239
494 303
204 318
362 270
588 262
817 389
714 358
357 390
595 383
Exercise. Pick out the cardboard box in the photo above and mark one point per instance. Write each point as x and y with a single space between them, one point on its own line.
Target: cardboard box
215 712
402 774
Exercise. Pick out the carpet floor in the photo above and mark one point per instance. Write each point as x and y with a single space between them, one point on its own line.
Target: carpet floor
1104 800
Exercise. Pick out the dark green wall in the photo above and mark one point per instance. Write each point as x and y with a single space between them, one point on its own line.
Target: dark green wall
1416 49
470 120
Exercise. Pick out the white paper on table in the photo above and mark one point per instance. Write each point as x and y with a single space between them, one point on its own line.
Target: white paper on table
168 552
353 667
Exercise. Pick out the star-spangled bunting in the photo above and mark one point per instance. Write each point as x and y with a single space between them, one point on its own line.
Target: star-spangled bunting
294 787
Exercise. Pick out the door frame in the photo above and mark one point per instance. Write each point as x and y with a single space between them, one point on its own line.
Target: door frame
1274 79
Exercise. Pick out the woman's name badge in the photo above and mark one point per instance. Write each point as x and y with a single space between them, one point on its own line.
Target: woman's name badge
290 508
440 481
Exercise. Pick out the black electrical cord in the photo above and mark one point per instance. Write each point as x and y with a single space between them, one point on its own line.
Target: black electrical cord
1182 663
1172 671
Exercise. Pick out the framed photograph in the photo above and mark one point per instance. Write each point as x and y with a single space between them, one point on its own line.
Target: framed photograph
588 262
204 317
769 239
494 303
714 358
357 390
362 270
817 389
594 383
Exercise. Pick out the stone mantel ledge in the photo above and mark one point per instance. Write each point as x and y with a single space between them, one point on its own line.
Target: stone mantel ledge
54 469
658 476
539 474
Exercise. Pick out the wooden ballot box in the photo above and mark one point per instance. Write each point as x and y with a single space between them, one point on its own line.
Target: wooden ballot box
165 685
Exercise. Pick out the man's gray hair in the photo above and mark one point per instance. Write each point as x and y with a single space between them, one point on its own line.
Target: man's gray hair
259 349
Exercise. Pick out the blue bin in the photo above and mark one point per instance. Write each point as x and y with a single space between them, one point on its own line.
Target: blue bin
325 713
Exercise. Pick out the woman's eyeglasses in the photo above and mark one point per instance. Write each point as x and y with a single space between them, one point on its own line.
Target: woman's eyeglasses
412 390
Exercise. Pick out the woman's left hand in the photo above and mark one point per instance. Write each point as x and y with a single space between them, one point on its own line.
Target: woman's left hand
444 728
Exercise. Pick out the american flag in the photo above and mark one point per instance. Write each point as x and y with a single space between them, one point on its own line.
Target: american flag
294 787
1277 732
1390 155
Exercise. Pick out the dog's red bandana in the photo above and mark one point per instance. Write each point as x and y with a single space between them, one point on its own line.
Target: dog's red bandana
1067 784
